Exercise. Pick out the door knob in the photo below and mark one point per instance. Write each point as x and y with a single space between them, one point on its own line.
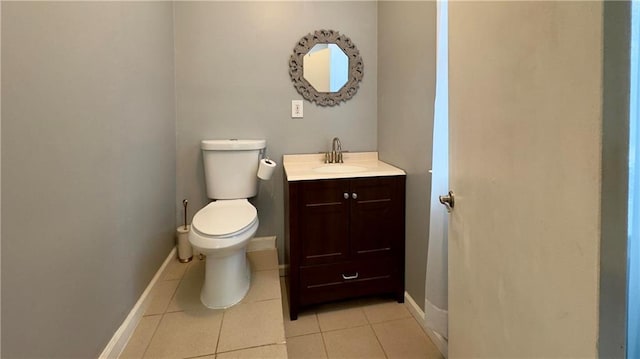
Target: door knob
354 195
345 195
448 201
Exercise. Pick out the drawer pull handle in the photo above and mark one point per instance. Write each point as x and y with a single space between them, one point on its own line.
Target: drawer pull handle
345 195
350 276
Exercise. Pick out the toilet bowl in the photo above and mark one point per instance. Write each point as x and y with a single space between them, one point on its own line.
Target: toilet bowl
221 231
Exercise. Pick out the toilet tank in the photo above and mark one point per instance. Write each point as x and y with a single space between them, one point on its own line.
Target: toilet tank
231 167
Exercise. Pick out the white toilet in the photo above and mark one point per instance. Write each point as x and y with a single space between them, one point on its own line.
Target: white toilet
222 229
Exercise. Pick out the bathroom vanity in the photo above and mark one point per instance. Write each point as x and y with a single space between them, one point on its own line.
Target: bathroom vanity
344 228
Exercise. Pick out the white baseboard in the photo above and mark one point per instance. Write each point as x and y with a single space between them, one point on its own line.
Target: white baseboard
418 313
121 337
261 243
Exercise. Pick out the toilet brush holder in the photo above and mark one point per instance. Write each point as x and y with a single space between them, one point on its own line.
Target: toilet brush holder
185 252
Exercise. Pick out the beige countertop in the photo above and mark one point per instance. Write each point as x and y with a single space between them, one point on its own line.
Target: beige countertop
306 167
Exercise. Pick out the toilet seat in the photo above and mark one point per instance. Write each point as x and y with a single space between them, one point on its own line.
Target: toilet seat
223 218
224 224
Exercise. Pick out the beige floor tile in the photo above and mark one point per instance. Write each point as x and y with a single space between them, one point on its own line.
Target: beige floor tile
264 285
344 304
275 351
161 296
341 316
352 343
186 334
306 347
141 337
252 324
383 312
405 339
174 270
306 323
187 296
263 260
195 270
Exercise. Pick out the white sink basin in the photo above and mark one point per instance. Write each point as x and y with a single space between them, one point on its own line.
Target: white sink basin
339 168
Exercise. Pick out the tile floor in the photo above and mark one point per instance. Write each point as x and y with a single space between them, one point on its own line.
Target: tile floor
361 328
177 325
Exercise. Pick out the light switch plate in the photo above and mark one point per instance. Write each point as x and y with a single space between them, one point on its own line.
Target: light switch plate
296 109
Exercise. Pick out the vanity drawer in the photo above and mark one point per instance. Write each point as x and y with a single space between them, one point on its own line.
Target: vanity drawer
327 282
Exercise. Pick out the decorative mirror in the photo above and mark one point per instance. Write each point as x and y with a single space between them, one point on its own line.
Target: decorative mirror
326 68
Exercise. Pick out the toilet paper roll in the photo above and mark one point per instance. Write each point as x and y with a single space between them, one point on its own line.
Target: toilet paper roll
266 168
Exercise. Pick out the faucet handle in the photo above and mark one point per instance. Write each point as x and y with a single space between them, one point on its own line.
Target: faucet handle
327 156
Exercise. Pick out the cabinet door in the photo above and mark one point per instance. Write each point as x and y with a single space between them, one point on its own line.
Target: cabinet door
324 221
377 217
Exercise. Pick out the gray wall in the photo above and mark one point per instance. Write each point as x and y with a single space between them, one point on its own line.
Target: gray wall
0 184
406 93
88 152
232 81
615 173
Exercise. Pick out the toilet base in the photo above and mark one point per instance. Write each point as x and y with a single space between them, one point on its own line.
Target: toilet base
226 280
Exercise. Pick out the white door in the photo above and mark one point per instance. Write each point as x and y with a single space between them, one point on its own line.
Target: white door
525 131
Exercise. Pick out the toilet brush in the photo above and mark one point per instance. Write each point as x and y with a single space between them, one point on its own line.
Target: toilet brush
185 252
184 204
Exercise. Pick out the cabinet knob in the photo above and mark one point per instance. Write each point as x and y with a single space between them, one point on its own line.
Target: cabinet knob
354 195
345 195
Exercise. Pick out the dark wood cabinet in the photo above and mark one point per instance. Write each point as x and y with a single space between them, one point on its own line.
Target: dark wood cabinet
344 238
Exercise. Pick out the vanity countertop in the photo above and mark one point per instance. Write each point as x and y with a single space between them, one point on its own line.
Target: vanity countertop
305 167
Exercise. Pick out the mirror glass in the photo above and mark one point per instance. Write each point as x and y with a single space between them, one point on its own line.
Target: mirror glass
326 67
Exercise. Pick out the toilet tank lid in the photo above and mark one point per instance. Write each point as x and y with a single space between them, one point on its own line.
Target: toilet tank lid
233 145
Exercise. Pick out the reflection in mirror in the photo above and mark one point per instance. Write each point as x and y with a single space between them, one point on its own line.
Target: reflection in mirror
326 67
340 67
